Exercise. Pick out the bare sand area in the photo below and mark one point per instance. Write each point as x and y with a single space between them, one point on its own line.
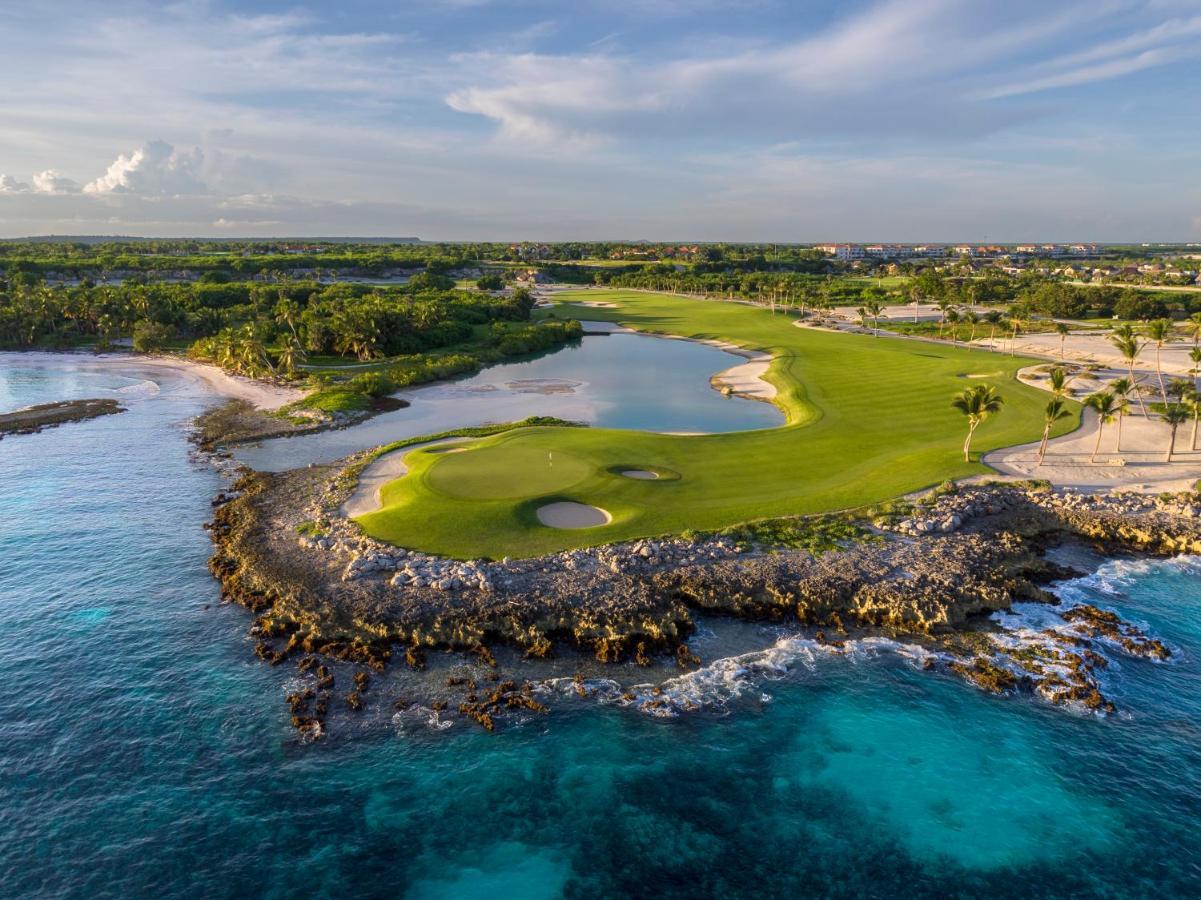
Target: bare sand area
1078 461
365 498
747 379
566 514
1095 349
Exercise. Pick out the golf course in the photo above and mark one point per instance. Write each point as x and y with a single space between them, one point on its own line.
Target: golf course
868 419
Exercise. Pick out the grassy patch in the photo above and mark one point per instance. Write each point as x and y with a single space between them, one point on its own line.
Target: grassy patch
869 419
817 534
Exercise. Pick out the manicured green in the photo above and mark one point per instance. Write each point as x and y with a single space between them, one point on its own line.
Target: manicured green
868 419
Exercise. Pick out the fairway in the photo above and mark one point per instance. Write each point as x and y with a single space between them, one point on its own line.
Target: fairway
868 419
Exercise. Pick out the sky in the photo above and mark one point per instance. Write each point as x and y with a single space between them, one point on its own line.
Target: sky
689 120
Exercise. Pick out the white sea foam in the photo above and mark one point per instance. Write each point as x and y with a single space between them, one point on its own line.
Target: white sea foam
140 391
1117 575
715 686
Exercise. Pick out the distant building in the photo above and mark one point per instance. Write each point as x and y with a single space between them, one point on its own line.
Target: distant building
843 252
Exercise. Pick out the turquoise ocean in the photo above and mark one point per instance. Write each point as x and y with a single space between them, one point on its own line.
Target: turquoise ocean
145 752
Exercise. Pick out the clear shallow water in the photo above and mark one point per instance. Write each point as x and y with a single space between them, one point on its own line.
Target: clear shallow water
145 752
616 381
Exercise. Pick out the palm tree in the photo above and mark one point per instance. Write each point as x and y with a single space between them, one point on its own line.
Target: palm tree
1106 405
1060 379
1194 356
1193 328
1063 330
1175 415
1159 330
1121 388
944 306
1015 323
1055 411
993 318
953 321
1130 348
977 403
972 318
1193 401
873 308
291 356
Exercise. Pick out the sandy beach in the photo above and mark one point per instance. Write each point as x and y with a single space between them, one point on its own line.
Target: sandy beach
260 394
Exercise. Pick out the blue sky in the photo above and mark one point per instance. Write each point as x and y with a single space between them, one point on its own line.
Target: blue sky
661 119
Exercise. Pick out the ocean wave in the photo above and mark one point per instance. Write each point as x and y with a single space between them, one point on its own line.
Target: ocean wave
1116 576
717 685
141 390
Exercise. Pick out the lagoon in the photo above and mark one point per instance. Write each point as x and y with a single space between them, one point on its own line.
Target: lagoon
618 380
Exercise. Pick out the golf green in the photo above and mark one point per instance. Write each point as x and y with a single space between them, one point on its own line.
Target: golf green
869 419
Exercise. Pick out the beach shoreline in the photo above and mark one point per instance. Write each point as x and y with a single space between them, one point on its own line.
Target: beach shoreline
261 395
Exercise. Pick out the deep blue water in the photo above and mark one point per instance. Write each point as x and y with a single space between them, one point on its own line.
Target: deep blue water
145 752
615 381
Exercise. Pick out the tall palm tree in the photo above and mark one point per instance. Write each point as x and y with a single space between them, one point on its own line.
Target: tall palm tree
873 308
993 318
1130 348
1106 406
1055 411
1194 356
977 403
1015 323
1193 401
1175 415
953 321
944 306
972 318
1063 330
1159 330
1121 388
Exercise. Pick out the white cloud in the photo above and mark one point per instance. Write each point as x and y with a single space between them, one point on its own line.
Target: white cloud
10 185
53 182
872 73
155 169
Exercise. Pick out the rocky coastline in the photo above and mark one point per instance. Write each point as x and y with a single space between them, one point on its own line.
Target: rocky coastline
936 572
33 419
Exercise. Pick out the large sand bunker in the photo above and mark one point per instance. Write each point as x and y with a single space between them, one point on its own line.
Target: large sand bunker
566 514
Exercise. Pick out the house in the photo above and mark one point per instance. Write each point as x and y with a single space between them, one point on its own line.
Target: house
843 252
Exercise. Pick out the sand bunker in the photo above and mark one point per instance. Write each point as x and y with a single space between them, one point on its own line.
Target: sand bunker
572 515
640 474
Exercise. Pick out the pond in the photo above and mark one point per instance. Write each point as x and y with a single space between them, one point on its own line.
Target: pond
618 380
